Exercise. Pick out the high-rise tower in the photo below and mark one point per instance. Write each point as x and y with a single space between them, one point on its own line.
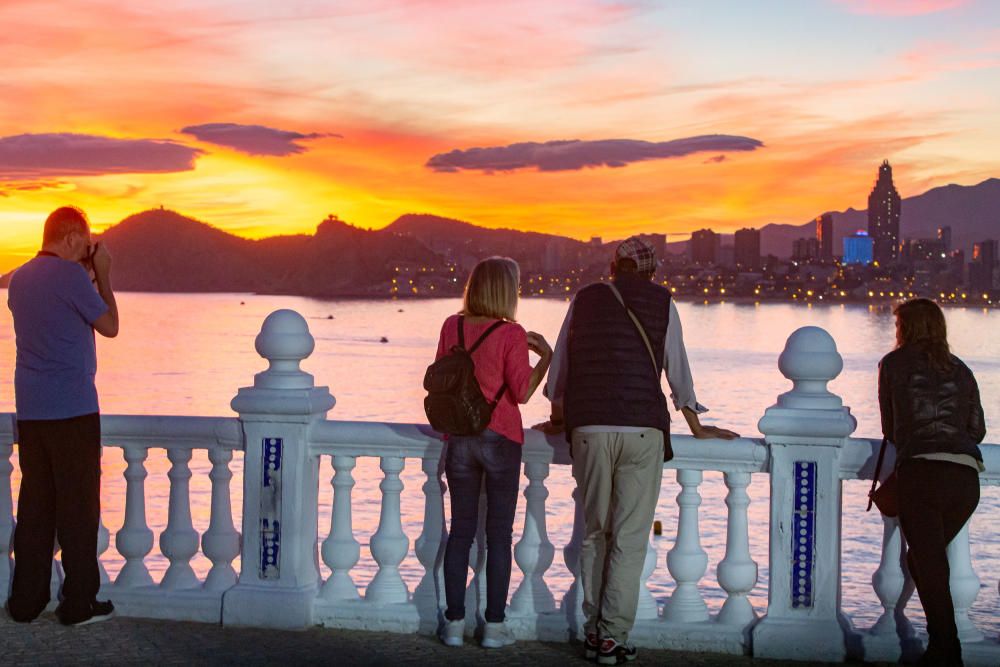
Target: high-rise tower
883 217
824 234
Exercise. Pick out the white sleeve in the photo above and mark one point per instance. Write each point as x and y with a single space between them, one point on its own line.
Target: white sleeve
676 362
555 387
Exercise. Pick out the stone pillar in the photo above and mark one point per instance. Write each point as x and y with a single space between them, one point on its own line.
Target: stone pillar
279 577
806 431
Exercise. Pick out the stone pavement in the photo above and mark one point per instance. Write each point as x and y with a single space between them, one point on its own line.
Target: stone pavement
134 641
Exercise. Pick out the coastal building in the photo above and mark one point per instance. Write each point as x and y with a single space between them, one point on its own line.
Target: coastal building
884 205
984 263
705 246
858 248
659 243
805 249
746 248
944 236
824 235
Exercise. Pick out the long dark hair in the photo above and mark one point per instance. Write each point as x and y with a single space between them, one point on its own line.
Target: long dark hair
921 324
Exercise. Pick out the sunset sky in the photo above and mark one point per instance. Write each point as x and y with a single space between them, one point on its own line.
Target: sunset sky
261 117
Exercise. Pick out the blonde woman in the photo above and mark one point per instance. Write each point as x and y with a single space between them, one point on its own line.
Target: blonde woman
488 328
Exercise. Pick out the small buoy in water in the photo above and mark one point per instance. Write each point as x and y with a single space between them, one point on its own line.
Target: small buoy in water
400 310
657 528
243 303
384 340
329 317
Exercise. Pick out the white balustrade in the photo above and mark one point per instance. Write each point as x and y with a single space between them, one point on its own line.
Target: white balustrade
221 542
892 637
103 542
389 544
964 585
429 547
646 609
572 602
807 430
534 551
687 561
179 541
134 540
737 572
340 550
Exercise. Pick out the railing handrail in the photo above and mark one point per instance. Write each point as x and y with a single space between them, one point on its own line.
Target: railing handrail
150 431
861 454
367 438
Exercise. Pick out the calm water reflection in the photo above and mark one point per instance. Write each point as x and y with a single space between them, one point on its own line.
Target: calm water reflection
187 355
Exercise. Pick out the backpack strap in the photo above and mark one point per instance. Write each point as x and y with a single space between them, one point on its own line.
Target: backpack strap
878 471
461 343
493 327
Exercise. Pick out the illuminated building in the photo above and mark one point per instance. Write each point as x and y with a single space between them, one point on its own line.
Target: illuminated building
883 217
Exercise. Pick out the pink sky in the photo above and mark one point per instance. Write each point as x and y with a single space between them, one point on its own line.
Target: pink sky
262 118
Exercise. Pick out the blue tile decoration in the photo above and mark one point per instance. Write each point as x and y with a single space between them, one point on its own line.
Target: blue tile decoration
270 509
803 533
272 461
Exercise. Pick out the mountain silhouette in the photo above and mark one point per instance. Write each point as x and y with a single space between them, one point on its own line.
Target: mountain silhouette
160 250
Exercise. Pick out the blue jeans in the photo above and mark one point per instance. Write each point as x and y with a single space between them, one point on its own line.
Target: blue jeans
470 459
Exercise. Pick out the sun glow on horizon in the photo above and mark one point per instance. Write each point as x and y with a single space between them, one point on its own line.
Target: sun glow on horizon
349 110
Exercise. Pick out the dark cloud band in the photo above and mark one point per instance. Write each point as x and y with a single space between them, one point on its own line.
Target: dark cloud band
33 156
577 154
252 139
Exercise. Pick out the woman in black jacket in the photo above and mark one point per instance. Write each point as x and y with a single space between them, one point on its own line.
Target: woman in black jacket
931 411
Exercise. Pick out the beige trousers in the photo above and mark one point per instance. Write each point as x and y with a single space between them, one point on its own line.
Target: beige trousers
619 479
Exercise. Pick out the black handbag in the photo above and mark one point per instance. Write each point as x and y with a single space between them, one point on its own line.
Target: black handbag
886 496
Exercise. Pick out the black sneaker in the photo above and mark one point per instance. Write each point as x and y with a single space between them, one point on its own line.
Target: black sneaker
591 645
613 653
98 611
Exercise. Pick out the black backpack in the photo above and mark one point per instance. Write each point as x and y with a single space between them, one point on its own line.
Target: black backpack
455 403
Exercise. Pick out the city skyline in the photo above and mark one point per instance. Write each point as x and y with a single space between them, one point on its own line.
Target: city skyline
579 119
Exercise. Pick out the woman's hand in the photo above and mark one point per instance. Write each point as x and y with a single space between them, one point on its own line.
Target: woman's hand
538 345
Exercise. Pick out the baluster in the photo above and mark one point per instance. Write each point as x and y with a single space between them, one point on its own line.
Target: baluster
572 602
475 594
134 540
737 572
389 543
964 585
6 519
429 547
179 542
340 550
534 551
646 608
687 561
221 542
892 637
103 542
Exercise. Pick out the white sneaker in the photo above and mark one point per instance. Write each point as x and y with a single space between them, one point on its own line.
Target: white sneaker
453 632
497 635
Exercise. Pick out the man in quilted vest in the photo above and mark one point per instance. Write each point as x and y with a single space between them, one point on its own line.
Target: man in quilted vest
604 384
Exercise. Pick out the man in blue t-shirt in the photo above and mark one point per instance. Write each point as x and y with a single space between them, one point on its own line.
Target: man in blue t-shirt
56 310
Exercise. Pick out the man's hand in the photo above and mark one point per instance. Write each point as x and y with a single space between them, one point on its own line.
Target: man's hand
708 432
101 260
548 428
703 432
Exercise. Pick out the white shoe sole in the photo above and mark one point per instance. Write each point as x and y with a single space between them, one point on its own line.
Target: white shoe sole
94 619
452 641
